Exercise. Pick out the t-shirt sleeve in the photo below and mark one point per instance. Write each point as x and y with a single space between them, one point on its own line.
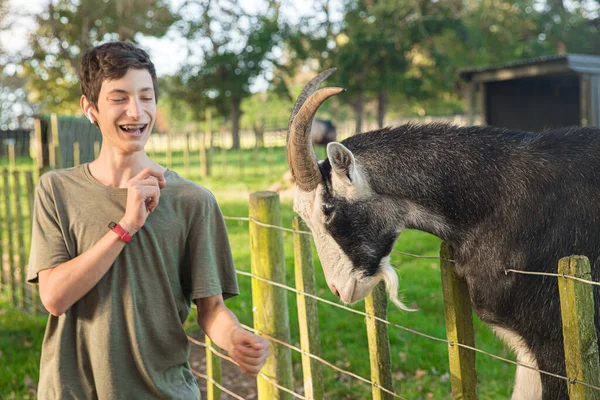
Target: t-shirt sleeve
48 248
208 254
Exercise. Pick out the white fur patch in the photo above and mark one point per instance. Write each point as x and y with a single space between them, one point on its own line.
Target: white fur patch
358 189
354 185
528 383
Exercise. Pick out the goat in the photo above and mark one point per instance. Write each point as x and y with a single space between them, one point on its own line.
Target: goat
501 198
323 132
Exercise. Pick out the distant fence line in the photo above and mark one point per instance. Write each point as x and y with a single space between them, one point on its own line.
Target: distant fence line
55 140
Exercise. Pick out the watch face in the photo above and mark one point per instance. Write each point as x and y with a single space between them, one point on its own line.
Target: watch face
112 225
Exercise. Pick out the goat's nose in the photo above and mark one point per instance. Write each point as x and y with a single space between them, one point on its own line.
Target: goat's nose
335 291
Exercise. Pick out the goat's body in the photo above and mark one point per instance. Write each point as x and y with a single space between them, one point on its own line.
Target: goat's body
323 132
503 200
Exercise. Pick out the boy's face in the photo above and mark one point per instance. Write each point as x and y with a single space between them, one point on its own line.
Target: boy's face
127 111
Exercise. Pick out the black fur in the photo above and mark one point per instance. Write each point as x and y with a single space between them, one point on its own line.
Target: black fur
510 199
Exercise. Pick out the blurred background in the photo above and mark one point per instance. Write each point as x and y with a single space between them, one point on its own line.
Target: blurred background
247 60
229 73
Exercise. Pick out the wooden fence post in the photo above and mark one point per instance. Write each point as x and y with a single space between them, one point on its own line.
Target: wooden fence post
96 149
213 370
8 239
204 162
54 148
223 159
579 332
206 146
38 157
379 343
76 154
308 317
3 244
269 301
186 156
459 328
169 153
19 237
241 161
30 200
12 159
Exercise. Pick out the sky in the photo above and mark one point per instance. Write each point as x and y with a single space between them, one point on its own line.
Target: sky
167 53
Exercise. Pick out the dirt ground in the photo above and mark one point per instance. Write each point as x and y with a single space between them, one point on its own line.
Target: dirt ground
231 377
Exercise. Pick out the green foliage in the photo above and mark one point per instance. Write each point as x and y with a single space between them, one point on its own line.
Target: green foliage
232 48
66 29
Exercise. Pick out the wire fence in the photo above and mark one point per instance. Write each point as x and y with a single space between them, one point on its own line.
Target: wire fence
32 303
570 380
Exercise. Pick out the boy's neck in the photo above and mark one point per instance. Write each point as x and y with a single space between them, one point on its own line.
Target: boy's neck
116 170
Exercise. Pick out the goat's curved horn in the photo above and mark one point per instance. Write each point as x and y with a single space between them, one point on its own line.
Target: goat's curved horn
309 89
302 159
301 154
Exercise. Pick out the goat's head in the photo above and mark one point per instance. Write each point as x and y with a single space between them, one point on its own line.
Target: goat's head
336 202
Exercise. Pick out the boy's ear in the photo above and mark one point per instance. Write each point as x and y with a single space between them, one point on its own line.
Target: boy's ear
86 107
342 162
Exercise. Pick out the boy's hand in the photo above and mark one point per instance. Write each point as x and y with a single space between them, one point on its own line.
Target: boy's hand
249 351
143 194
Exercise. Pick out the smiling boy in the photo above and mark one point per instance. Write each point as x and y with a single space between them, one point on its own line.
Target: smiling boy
120 248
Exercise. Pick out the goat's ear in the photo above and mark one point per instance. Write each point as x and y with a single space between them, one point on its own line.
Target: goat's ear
342 161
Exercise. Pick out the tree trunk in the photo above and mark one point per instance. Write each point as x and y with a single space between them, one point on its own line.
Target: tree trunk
381 108
359 109
259 134
236 113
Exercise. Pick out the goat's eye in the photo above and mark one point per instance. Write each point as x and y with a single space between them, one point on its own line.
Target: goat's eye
328 209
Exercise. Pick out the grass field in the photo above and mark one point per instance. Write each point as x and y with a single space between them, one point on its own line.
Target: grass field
420 365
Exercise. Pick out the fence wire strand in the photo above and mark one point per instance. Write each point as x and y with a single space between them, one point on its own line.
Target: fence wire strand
516 271
299 350
223 356
211 380
451 343
506 271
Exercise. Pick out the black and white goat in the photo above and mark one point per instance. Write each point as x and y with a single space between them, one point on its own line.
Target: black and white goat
501 198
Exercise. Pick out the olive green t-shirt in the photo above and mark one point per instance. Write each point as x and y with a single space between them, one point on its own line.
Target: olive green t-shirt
125 339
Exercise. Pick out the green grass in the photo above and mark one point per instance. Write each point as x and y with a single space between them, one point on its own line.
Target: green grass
20 344
420 365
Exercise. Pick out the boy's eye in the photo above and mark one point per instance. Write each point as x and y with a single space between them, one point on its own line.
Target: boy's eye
117 100
147 98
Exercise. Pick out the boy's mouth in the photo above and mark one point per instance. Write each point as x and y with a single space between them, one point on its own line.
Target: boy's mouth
134 129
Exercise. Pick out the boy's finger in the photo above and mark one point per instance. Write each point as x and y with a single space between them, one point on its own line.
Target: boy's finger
248 351
147 172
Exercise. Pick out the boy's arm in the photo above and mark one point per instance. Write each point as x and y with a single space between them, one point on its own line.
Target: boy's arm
65 284
222 327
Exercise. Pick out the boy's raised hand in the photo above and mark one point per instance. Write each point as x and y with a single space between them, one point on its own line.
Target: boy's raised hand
143 194
249 351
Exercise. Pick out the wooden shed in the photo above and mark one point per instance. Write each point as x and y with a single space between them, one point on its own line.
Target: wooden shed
537 93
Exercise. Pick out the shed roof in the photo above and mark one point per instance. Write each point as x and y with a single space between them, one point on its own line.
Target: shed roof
546 65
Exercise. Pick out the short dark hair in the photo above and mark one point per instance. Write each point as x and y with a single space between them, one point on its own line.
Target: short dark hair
111 61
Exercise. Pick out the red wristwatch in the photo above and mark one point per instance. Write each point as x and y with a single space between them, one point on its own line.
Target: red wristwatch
118 229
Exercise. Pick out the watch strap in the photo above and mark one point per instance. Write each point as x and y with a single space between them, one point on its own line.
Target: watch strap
118 229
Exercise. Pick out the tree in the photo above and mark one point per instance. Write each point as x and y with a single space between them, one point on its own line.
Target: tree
231 48
67 28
